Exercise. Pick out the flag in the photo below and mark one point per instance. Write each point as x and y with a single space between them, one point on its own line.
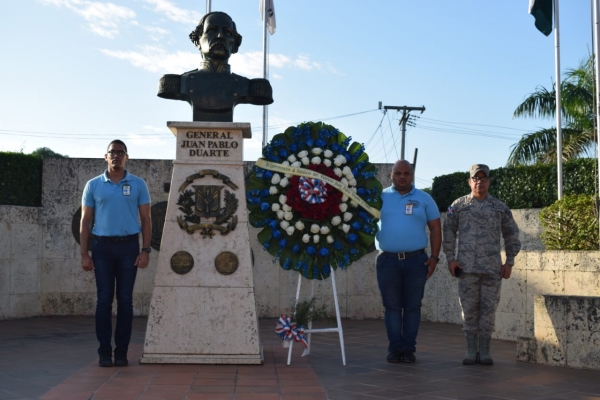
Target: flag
270 14
542 12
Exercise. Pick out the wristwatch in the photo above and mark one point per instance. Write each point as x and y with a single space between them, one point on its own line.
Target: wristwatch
436 258
147 249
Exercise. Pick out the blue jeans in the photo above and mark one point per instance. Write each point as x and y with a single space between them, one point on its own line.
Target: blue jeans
402 284
114 262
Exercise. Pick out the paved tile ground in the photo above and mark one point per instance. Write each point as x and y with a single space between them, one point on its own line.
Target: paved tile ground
54 358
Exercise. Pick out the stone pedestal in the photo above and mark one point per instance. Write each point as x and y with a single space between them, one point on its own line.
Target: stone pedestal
203 309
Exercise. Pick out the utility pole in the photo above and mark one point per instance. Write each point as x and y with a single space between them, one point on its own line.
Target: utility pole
405 116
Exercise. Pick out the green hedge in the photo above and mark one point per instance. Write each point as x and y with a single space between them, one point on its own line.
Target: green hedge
523 186
21 179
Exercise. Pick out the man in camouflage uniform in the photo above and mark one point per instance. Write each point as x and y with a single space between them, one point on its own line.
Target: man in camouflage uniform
480 219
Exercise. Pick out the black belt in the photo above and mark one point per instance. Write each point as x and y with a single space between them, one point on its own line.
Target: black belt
117 239
405 254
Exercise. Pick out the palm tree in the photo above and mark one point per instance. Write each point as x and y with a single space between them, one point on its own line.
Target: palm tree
577 105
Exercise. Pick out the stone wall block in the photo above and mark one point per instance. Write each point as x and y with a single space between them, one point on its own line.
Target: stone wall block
5 306
60 175
24 305
84 303
583 349
24 276
5 239
60 206
509 325
513 294
582 283
90 168
84 281
362 276
57 275
58 242
533 260
20 214
543 282
50 303
25 241
530 228
364 307
4 277
449 310
429 309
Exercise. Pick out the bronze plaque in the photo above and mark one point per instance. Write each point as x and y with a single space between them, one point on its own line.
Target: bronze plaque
226 263
182 262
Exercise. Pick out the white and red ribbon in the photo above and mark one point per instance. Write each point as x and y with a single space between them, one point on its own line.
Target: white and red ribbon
312 190
287 330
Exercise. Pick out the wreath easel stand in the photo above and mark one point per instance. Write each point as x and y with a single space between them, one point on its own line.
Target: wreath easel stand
310 331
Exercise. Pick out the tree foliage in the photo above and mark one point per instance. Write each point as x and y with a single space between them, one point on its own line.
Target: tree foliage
577 112
571 224
45 152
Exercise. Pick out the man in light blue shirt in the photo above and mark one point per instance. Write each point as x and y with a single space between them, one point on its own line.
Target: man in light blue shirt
403 266
113 201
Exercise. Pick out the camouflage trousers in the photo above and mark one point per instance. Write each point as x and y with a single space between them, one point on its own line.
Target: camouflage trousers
479 296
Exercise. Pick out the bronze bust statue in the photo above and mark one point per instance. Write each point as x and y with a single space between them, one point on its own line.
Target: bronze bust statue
212 90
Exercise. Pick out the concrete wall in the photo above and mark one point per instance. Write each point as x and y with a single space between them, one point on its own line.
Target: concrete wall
40 271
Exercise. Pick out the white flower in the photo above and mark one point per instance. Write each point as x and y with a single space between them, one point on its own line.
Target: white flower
305 160
316 160
275 207
287 176
345 198
339 160
306 238
280 214
296 164
353 189
330 239
290 230
328 153
314 228
344 181
327 162
284 224
275 179
354 203
345 228
283 199
337 171
317 150
336 220
351 182
285 163
292 158
316 239
273 190
325 230
299 225
347 216
347 171
343 207
285 181
302 154
286 208
288 216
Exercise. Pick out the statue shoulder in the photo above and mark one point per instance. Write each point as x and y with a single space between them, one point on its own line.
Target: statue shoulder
261 91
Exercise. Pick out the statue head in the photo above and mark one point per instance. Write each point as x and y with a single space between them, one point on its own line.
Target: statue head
216 36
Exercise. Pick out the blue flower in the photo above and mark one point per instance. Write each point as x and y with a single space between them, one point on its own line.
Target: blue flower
356 225
283 153
323 252
266 245
337 245
315 272
287 264
354 251
264 193
320 143
309 142
326 270
296 249
269 174
273 224
264 206
352 238
360 191
282 243
311 250
276 234
294 147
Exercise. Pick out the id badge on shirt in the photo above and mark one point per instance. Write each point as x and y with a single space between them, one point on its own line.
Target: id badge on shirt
409 208
126 190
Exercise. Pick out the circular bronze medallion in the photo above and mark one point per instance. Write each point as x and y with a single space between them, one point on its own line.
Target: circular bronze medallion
226 263
182 262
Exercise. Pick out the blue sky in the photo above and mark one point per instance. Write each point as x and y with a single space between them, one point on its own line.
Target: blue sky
79 73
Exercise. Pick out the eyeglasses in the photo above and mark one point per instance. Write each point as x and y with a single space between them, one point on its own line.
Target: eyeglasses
480 178
114 153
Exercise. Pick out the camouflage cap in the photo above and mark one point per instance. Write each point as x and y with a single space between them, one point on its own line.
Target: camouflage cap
475 168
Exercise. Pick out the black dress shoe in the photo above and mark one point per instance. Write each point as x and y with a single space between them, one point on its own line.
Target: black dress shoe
105 361
121 362
409 357
394 357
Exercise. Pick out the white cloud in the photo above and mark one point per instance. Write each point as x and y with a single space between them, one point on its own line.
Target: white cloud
304 63
155 33
174 13
103 19
157 59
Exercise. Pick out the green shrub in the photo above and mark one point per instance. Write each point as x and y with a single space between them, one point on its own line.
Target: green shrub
21 179
571 224
523 186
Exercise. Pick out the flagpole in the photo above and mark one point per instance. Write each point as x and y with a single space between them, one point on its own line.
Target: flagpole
265 71
207 6
559 169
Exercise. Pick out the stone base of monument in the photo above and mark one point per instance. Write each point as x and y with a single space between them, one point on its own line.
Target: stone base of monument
203 308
